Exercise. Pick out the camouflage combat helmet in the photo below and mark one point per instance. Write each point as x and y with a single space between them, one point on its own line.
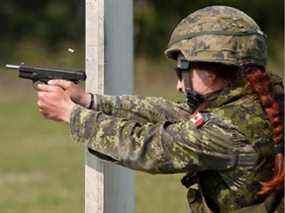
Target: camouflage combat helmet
219 34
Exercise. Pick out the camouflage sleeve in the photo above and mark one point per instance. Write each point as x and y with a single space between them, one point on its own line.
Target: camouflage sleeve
148 109
165 147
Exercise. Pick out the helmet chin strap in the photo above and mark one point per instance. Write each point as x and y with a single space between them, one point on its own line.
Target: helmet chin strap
193 99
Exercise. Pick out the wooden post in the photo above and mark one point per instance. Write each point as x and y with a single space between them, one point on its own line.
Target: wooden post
109 67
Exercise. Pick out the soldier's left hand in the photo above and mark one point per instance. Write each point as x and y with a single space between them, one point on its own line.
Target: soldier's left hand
54 103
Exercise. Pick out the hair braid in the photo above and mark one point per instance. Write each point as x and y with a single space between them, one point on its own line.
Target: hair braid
260 83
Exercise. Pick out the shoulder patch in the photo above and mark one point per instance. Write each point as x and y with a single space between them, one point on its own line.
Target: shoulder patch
199 119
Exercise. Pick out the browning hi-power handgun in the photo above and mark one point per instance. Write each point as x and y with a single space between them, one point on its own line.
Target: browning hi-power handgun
43 75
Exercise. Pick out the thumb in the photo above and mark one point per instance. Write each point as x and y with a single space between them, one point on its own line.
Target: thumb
64 84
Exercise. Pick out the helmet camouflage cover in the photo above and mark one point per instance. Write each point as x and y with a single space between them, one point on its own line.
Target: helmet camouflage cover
219 34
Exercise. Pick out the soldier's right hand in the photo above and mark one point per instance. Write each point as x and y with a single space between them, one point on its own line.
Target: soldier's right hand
76 93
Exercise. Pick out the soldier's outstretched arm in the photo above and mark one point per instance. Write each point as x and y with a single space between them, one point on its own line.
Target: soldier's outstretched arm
148 109
165 147
143 109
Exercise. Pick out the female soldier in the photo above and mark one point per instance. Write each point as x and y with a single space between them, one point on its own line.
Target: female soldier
226 136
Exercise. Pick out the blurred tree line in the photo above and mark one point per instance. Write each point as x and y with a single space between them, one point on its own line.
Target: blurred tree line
155 19
52 22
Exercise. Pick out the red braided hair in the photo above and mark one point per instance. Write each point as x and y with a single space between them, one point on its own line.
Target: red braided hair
260 83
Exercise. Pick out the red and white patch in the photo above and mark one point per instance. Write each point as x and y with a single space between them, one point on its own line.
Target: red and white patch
198 119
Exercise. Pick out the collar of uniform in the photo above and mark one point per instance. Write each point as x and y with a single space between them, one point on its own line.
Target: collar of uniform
227 95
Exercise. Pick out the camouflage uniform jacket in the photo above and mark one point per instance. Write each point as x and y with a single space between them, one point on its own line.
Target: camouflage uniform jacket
230 153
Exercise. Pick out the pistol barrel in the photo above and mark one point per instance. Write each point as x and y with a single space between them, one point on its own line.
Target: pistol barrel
11 66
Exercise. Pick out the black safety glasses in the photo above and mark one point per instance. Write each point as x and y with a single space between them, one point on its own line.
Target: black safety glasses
179 72
183 66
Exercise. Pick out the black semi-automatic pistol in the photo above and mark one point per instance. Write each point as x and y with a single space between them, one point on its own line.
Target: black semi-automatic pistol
43 75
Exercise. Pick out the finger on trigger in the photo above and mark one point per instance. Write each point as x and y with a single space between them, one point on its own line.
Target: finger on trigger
53 82
59 82
47 88
40 87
